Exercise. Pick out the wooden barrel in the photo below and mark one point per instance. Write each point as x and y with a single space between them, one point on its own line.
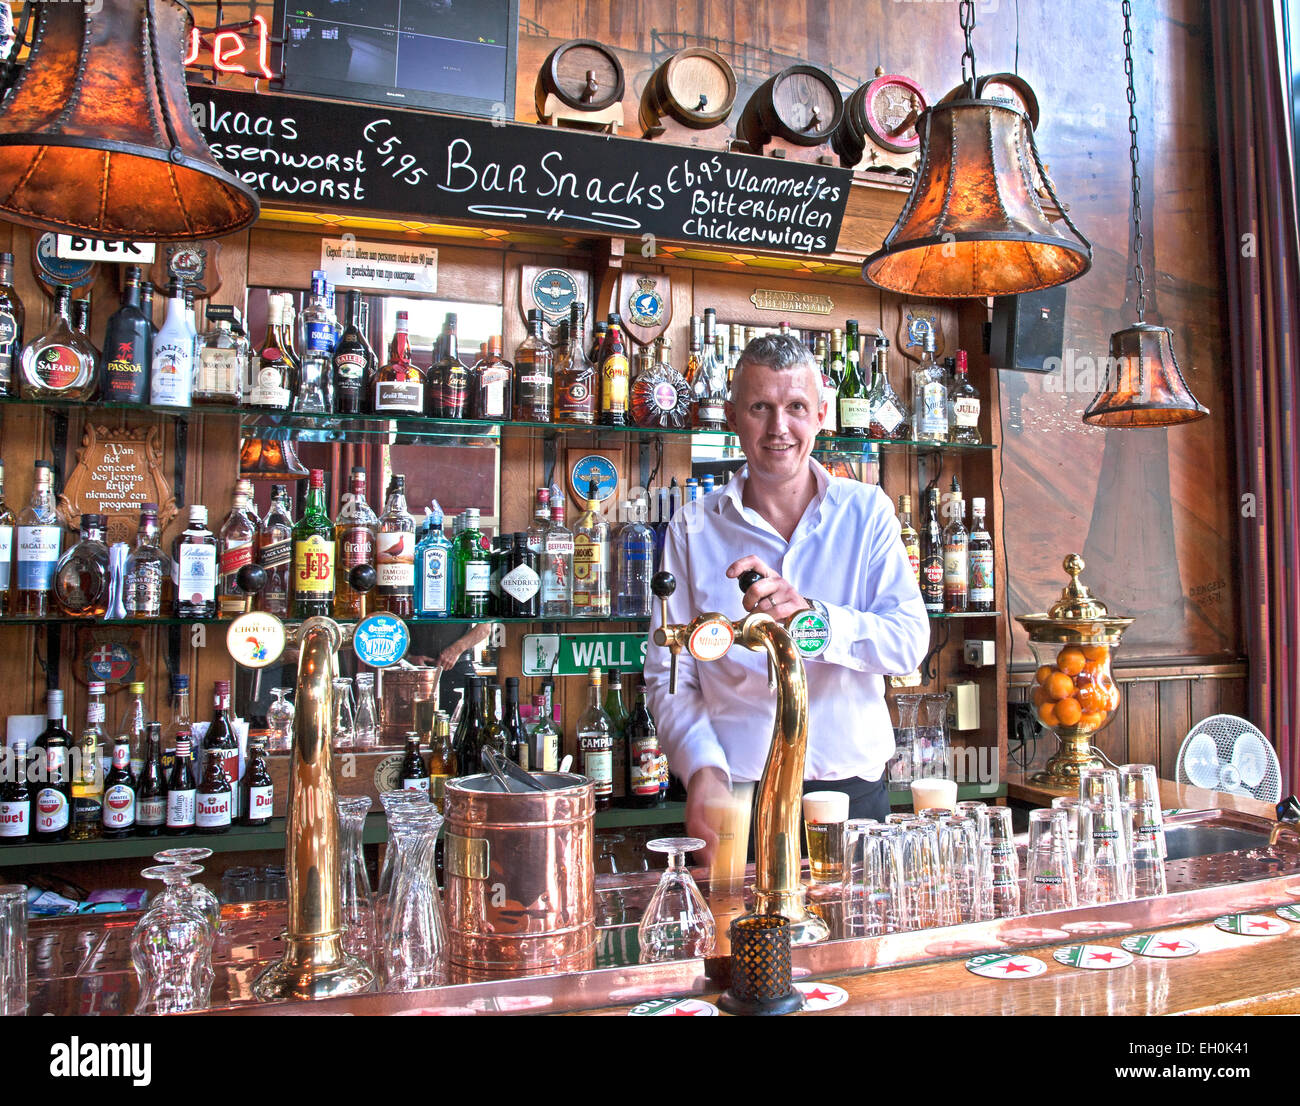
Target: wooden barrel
874 112
695 86
584 75
801 105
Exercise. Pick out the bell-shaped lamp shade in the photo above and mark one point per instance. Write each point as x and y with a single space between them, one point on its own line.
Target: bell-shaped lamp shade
1142 385
96 136
972 224
270 459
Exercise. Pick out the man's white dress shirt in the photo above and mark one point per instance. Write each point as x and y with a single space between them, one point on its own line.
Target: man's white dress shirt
845 552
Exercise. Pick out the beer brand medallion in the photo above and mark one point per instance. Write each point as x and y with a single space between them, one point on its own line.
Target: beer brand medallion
821 996
645 305
381 640
1161 947
1002 965
52 269
554 290
710 640
811 633
1250 925
255 639
1290 913
1099 957
388 773
674 1008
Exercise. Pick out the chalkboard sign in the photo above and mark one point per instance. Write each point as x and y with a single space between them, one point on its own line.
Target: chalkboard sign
344 156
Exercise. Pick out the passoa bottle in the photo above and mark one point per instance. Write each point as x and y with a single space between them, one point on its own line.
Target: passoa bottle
124 360
313 555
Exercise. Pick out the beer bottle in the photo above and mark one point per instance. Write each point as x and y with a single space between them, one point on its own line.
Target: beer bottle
257 793
54 798
442 761
119 793
180 791
471 737
151 795
87 788
497 739
213 800
221 736
415 776
643 753
15 798
516 738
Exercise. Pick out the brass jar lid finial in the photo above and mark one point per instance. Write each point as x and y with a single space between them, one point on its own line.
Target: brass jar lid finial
1076 601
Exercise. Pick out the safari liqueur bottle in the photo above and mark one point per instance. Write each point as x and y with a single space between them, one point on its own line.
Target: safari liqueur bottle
11 327
596 745
354 537
577 385
591 559
39 541
196 567
354 362
275 553
59 364
124 360
395 554
534 374
313 555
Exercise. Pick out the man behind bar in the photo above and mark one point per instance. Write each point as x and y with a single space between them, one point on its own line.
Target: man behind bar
818 541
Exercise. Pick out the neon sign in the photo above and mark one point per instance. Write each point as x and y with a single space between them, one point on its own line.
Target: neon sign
230 48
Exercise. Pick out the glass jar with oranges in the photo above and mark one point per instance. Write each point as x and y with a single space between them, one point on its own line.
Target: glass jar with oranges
1074 692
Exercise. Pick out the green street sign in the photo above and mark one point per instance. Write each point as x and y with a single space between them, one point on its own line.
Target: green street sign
579 652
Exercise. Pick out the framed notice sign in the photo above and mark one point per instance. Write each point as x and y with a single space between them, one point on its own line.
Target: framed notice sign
452 56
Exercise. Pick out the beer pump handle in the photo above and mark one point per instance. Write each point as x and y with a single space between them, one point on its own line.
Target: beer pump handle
362 578
748 579
250 579
663 584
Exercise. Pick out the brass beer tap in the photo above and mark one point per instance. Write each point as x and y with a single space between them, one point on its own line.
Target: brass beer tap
777 886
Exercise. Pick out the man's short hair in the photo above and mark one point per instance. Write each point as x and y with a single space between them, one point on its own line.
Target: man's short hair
777 351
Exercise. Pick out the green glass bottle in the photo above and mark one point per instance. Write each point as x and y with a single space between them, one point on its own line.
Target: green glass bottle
313 555
472 568
855 407
618 719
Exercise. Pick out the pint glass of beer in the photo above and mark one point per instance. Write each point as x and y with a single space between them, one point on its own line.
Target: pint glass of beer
824 815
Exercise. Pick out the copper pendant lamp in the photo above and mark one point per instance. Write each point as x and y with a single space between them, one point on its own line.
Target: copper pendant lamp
1143 386
96 136
972 225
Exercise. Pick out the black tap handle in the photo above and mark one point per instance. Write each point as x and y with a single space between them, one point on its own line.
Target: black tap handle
362 578
749 579
1288 810
663 584
250 579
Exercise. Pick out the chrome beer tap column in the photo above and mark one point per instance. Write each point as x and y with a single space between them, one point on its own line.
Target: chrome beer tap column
777 886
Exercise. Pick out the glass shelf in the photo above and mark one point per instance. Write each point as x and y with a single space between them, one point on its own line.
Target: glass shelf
63 620
967 614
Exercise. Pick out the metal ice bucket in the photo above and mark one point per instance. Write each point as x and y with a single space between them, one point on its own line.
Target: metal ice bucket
520 881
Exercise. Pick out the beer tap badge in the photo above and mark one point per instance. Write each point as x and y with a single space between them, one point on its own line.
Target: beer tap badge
381 640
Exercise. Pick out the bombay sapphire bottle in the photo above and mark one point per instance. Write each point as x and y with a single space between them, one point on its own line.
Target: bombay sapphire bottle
433 570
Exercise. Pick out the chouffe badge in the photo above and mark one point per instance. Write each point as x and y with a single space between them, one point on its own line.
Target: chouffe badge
255 639
381 640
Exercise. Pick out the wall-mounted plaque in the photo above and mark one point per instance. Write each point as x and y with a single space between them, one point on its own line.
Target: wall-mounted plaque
50 269
915 319
116 471
551 290
646 303
191 264
113 655
807 303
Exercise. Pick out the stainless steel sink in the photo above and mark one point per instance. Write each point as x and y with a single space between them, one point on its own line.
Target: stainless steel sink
1209 840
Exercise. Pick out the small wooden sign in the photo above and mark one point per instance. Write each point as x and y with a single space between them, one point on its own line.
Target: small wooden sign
645 301
805 303
550 289
914 319
116 471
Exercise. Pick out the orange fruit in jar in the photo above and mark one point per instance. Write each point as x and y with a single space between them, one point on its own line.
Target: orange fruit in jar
1068 712
1040 696
1091 721
1096 652
1113 692
1044 671
1071 660
1060 686
1047 714
1093 670
1093 698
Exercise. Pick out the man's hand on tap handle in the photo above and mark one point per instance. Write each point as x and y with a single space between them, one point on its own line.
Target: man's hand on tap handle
773 594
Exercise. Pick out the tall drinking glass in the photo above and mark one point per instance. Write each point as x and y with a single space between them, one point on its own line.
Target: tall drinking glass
1004 865
13 949
872 888
1139 783
824 815
1049 867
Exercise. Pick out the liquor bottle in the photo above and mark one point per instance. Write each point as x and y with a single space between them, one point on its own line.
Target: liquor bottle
124 361
660 396
314 391
87 787
196 567
15 797
544 751
472 733
148 569
415 776
910 538
643 753
118 811
97 724
956 554
221 738
81 575
53 806
591 559
595 736
257 794
613 368
932 558
236 544
521 582
285 332
534 374
889 419
835 370
493 384
709 380
929 396
433 570
981 560
557 567
830 390
963 406
354 537
181 790
11 327
81 327
577 382
213 805
171 370
497 739
736 348
224 358
395 554
39 541
151 794
354 362
617 713
536 531
398 385
181 725
8 600
448 379
634 556
275 553
273 366
146 305
855 404
134 727
472 572
59 364
313 555
442 760
516 736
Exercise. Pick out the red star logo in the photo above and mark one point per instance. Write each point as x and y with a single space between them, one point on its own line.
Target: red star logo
682 1012
1172 946
1008 968
1107 957
1265 925
818 993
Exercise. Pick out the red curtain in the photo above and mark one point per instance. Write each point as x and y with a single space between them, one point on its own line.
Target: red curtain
1263 282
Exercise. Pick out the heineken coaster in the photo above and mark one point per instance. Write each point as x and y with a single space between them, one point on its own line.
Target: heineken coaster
674 1008
821 996
1163 948
1093 928
1250 925
1290 913
1092 956
1002 965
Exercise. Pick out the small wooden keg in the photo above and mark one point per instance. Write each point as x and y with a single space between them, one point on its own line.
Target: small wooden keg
793 114
581 84
688 99
879 126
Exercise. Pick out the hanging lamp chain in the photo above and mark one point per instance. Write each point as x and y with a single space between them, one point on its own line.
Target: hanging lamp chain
966 13
1139 273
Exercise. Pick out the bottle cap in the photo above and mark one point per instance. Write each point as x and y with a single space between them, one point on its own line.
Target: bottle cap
148 508
594 673
317 478
136 687
977 504
279 489
95 687
182 746
180 683
198 513
221 687
54 699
